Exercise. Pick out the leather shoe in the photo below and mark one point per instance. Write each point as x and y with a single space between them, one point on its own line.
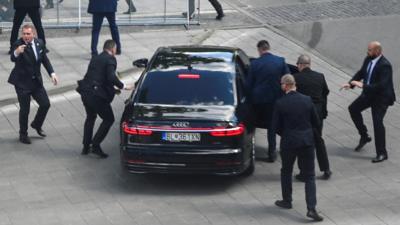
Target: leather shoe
271 156
362 143
314 215
98 151
379 158
85 150
300 177
39 131
219 16
283 204
327 174
25 139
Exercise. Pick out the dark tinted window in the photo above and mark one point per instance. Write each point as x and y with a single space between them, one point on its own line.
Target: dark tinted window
169 59
206 88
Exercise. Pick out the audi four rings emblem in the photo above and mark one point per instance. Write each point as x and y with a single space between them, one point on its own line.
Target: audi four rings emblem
180 124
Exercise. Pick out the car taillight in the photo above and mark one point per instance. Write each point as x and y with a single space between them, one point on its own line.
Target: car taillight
224 132
136 130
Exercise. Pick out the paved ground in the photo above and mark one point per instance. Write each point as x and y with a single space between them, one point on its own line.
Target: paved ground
50 183
338 29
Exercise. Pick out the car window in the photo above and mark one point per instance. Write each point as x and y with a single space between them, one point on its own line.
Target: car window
183 87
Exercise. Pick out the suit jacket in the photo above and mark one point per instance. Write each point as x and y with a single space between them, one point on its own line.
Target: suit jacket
313 84
263 82
26 73
26 4
101 78
102 6
380 90
294 119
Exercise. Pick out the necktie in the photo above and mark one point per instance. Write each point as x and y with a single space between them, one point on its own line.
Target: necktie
369 70
33 50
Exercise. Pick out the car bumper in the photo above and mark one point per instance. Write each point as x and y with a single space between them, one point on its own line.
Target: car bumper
183 161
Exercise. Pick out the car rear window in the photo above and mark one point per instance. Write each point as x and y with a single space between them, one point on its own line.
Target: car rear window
188 87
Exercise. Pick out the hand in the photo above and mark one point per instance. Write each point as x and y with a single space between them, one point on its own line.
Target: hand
54 79
345 86
129 87
20 49
357 84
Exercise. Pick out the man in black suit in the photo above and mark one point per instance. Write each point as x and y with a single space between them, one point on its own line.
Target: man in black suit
263 87
377 94
97 92
313 84
22 8
294 119
29 54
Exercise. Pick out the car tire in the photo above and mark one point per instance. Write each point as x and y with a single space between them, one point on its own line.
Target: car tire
251 168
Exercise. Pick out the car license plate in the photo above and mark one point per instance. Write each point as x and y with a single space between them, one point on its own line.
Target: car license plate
178 137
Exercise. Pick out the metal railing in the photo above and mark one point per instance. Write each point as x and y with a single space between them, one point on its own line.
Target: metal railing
73 14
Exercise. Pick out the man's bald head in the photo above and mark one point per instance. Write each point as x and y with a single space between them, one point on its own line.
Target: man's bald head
304 61
374 49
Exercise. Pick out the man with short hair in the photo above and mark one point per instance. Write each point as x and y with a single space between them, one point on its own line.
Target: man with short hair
29 54
313 84
376 80
263 85
23 8
294 119
97 92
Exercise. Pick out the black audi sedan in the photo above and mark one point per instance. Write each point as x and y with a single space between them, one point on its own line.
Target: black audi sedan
188 114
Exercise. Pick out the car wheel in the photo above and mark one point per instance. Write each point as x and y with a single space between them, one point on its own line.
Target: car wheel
250 169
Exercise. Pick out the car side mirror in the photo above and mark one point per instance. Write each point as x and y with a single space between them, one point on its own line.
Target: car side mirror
141 63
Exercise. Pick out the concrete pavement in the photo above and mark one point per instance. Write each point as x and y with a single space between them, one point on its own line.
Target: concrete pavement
49 182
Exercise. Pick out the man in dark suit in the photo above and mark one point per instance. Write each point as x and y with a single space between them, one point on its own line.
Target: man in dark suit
28 55
263 85
313 84
294 119
100 9
217 6
377 93
23 8
97 92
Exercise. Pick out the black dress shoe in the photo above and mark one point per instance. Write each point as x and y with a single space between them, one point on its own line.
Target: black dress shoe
327 174
362 143
300 177
25 139
98 151
39 131
219 16
85 150
312 213
118 52
283 204
379 158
